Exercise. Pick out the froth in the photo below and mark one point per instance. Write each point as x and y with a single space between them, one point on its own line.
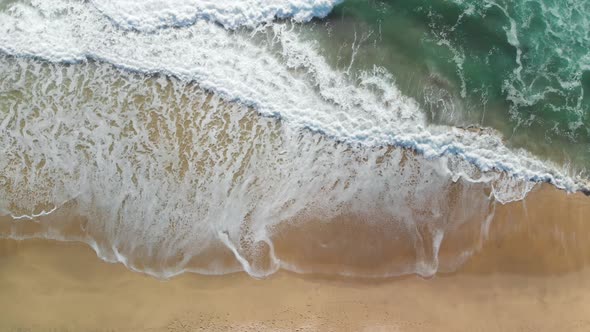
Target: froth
153 14
156 174
272 70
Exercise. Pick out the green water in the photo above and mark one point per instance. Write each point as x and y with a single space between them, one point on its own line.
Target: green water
521 67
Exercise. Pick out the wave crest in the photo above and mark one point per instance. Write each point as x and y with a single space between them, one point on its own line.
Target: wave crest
150 15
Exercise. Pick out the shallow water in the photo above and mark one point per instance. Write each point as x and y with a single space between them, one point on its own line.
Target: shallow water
521 67
156 173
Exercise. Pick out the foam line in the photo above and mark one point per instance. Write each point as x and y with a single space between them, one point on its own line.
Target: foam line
150 15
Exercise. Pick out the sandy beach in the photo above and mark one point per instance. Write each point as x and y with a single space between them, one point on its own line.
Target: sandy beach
294 165
530 275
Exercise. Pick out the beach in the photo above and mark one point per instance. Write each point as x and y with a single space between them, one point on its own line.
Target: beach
530 274
294 165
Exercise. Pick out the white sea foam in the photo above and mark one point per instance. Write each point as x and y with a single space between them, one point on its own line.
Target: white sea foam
296 83
149 15
157 175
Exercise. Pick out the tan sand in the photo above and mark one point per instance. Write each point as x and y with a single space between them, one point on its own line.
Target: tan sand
530 275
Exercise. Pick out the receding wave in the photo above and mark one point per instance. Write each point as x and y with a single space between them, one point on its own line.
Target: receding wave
160 175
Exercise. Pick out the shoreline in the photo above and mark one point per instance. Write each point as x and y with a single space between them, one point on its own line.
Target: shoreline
530 274
62 287
371 246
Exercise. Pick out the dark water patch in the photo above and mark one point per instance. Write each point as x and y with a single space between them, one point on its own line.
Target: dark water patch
516 66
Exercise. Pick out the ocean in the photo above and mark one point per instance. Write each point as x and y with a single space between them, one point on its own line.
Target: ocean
303 135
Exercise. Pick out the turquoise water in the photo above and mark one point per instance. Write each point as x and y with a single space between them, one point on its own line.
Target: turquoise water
521 67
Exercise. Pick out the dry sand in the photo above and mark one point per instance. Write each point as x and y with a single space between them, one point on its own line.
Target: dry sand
530 275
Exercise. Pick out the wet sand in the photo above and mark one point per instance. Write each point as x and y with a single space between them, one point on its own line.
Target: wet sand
529 275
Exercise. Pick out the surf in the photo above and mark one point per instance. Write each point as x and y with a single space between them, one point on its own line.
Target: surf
174 146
